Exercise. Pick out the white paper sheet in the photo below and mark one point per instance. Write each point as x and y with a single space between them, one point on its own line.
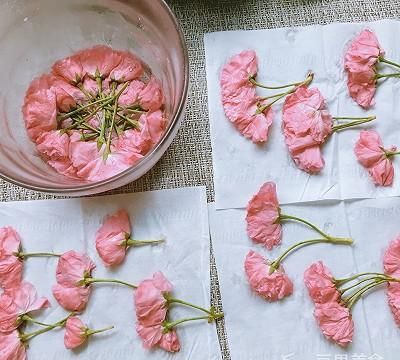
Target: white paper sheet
60 225
285 55
287 330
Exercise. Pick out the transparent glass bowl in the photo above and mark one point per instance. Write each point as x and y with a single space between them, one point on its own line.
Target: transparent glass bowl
36 33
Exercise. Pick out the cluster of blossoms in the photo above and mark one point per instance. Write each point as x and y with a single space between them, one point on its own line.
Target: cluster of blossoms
362 61
97 113
74 284
334 298
306 122
264 226
19 301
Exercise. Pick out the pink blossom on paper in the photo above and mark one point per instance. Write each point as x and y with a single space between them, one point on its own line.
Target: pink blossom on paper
360 64
75 333
335 322
262 217
306 126
391 259
236 73
320 284
10 265
271 287
150 301
372 155
154 335
19 301
130 68
239 97
69 291
11 347
393 297
111 238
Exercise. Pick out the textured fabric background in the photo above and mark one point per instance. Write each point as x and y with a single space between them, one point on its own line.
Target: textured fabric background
188 161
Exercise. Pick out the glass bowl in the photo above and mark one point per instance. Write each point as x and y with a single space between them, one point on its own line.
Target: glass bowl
36 33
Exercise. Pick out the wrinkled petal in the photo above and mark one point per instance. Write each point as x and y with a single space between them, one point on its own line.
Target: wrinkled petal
10 265
99 60
72 298
170 342
11 347
74 335
150 335
335 322
393 296
271 287
382 173
391 259
151 97
263 217
130 68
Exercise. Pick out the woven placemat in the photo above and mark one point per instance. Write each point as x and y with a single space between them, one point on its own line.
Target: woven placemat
188 161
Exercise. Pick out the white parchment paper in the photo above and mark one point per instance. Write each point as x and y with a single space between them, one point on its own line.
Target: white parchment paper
287 330
61 225
285 55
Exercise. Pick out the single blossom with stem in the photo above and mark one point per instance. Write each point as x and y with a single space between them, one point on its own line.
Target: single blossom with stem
251 114
335 298
17 305
114 238
362 60
371 154
153 300
12 257
74 281
265 219
77 333
307 125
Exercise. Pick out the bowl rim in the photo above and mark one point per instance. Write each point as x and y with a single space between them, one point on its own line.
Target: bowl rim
174 124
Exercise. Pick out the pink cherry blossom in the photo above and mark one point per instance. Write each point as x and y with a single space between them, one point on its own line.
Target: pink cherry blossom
10 265
151 98
271 287
236 73
54 148
69 68
372 155
153 336
320 284
131 94
75 333
155 123
391 259
335 322
393 296
111 237
40 108
19 301
306 126
150 302
262 217
130 68
99 60
360 64
239 99
69 291
11 347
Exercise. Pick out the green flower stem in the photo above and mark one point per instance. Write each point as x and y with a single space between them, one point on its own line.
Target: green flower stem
33 321
383 60
169 326
272 96
353 123
254 82
29 336
133 242
90 332
115 98
88 95
382 76
79 109
88 281
352 300
342 291
23 255
391 153
340 282
178 301
307 81
283 217
276 263
99 82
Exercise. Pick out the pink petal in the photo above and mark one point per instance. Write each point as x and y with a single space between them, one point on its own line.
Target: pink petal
74 335
150 335
151 98
170 342
129 68
11 347
72 298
